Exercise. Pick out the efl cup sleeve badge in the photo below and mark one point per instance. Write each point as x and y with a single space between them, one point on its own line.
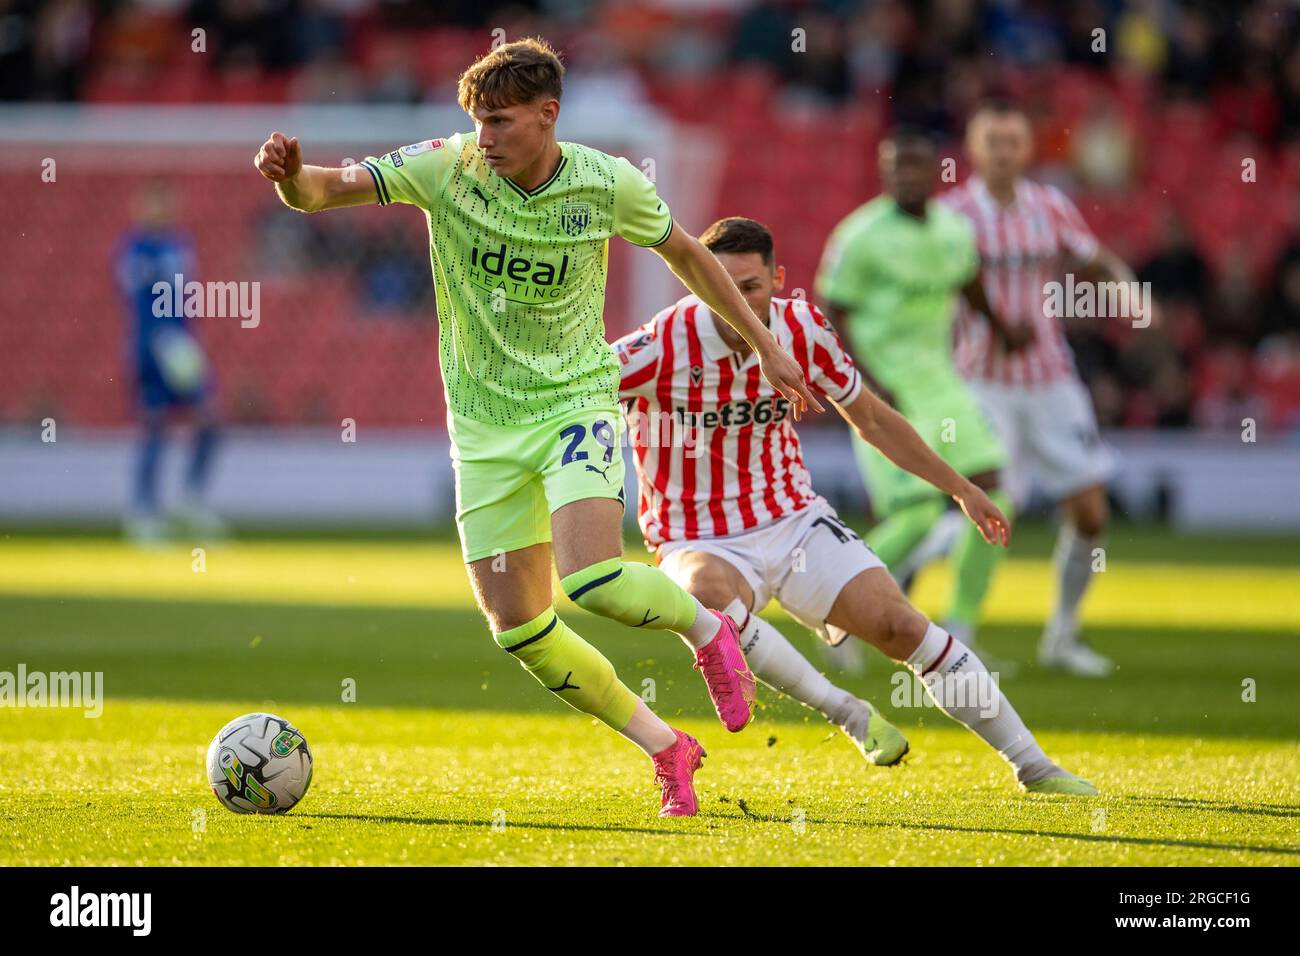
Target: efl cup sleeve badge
628 349
415 149
575 217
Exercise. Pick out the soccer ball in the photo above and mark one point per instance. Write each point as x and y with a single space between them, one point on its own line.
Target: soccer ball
259 763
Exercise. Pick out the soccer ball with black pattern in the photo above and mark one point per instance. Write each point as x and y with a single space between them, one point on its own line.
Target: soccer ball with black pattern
259 763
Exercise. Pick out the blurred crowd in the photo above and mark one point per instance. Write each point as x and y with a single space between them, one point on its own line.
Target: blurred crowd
1175 125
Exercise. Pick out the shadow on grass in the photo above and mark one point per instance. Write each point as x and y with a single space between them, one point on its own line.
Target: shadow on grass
746 813
749 814
522 825
1218 806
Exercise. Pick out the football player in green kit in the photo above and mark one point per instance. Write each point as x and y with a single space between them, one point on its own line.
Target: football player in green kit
519 225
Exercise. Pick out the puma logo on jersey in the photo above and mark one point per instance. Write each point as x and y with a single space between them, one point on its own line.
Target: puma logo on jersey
486 199
647 619
599 471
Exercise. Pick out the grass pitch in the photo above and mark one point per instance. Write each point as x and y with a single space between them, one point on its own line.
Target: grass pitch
451 754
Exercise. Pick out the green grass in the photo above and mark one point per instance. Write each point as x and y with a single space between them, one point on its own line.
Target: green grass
452 754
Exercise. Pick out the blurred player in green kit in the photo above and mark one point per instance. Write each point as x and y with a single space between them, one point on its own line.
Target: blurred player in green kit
889 280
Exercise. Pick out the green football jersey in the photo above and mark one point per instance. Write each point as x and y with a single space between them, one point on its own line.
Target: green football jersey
520 275
899 277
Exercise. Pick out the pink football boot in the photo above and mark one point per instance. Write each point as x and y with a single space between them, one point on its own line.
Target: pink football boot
675 768
730 681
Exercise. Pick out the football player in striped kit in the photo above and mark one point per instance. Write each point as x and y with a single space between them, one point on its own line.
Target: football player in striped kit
1029 235
729 509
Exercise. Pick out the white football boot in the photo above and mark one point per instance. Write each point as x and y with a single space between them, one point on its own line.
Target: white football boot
1061 649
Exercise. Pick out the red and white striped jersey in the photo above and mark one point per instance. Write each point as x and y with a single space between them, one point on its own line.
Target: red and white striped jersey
1022 247
713 442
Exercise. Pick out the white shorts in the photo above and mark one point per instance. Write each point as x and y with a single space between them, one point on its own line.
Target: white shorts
1050 435
803 560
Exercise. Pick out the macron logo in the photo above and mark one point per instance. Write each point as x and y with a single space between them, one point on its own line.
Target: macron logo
103 909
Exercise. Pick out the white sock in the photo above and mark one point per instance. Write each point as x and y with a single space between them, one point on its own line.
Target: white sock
1072 559
779 665
961 685
704 629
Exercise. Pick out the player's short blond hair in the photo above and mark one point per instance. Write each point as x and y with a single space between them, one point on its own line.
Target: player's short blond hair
513 73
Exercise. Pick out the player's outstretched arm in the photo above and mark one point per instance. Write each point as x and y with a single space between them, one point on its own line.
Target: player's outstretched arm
311 188
704 275
898 441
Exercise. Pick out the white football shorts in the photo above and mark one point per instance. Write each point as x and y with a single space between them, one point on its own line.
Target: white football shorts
803 560
1050 436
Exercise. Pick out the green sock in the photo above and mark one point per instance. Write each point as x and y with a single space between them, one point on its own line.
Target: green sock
973 561
895 537
632 593
570 668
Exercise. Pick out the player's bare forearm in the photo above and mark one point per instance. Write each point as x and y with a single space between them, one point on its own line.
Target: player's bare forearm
304 192
311 188
880 425
704 275
317 188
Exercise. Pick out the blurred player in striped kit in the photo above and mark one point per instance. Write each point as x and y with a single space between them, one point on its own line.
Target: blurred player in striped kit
1029 235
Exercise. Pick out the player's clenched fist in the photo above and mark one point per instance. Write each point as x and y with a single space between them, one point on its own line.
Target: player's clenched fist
279 159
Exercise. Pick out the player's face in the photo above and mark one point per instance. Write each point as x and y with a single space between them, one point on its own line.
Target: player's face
153 206
908 172
513 137
1000 146
756 280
